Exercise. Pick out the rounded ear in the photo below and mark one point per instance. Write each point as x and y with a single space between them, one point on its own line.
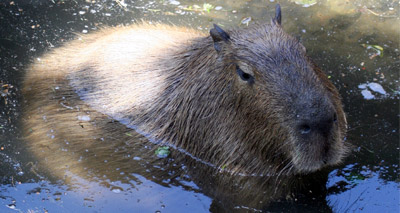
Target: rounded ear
278 15
218 35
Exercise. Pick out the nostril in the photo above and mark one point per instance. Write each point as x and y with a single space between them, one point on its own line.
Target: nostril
335 118
305 129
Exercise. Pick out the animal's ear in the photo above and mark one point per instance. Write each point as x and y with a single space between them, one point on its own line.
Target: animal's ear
278 15
218 35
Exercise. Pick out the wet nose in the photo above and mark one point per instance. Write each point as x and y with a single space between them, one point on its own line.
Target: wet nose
320 125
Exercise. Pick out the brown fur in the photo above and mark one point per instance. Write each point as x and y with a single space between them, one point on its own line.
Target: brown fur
172 85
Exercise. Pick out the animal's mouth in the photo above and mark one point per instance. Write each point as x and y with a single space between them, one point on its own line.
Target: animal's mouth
312 154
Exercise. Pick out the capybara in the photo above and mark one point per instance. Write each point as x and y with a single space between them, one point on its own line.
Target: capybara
248 101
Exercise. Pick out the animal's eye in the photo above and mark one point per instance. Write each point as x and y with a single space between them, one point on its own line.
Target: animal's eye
244 76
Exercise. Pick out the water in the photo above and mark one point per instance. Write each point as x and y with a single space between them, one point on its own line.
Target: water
345 38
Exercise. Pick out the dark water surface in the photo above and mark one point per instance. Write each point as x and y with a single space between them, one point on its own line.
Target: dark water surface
356 43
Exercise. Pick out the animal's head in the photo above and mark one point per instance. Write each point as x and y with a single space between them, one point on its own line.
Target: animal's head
293 112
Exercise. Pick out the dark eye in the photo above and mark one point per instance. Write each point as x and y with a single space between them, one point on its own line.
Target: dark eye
244 76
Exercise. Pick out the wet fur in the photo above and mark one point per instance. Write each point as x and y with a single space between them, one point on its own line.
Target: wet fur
172 85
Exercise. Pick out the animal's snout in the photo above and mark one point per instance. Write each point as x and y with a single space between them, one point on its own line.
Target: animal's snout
315 126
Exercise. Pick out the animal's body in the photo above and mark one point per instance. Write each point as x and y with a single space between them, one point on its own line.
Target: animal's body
249 101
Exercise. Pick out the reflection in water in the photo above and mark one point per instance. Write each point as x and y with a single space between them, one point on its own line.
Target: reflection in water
363 190
334 33
151 197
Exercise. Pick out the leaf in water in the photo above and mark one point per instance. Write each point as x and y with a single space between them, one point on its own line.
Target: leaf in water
162 151
367 90
377 88
306 3
377 48
207 7
128 134
367 94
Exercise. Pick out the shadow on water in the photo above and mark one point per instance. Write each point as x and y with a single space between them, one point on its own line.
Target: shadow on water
356 43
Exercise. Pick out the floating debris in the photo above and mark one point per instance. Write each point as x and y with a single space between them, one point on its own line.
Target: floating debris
376 88
367 94
368 88
162 151
173 2
207 7
196 8
246 21
5 91
306 3
378 50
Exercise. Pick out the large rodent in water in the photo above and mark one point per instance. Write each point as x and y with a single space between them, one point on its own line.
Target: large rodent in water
249 101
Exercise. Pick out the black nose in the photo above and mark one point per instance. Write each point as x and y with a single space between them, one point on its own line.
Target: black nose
321 125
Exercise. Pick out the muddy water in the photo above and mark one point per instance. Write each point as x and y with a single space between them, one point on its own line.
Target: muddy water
355 42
